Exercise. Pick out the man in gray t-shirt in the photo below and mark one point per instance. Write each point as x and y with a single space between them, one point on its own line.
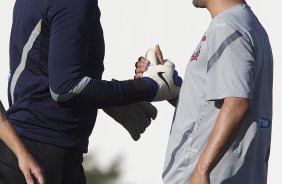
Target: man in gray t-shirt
222 127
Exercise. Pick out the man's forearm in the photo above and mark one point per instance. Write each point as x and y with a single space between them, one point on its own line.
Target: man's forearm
8 134
227 127
105 94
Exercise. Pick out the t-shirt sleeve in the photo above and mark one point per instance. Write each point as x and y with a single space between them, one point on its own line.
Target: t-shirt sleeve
231 64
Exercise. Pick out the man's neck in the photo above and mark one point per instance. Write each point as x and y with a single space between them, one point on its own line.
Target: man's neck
215 7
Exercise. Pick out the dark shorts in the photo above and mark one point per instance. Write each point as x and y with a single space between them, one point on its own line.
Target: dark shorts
60 166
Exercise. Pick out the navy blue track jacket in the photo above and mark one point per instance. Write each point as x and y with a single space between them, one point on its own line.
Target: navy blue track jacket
56 62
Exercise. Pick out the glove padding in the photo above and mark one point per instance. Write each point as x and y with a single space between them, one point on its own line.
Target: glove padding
135 118
165 79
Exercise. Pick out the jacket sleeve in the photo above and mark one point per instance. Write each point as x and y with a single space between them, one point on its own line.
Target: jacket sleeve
71 24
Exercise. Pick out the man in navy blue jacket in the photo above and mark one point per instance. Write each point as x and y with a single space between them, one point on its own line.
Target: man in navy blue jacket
55 89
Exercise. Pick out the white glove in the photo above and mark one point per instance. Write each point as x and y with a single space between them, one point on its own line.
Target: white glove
135 118
151 55
165 80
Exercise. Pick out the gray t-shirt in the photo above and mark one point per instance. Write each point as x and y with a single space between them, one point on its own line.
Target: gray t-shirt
233 59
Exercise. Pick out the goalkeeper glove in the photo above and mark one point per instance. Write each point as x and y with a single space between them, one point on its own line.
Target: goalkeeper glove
135 118
163 80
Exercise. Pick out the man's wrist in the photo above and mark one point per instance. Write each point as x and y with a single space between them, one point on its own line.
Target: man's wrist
153 87
139 90
204 168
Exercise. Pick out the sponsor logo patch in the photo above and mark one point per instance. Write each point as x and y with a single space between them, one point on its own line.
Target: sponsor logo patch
264 123
197 52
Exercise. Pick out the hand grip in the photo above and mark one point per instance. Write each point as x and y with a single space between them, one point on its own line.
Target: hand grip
152 57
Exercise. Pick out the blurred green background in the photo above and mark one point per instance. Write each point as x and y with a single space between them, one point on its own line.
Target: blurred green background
95 174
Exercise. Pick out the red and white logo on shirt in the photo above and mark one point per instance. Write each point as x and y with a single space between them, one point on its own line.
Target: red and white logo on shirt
197 52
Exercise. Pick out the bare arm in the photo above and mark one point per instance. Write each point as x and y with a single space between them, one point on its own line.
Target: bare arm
227 127
26 163
7 133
